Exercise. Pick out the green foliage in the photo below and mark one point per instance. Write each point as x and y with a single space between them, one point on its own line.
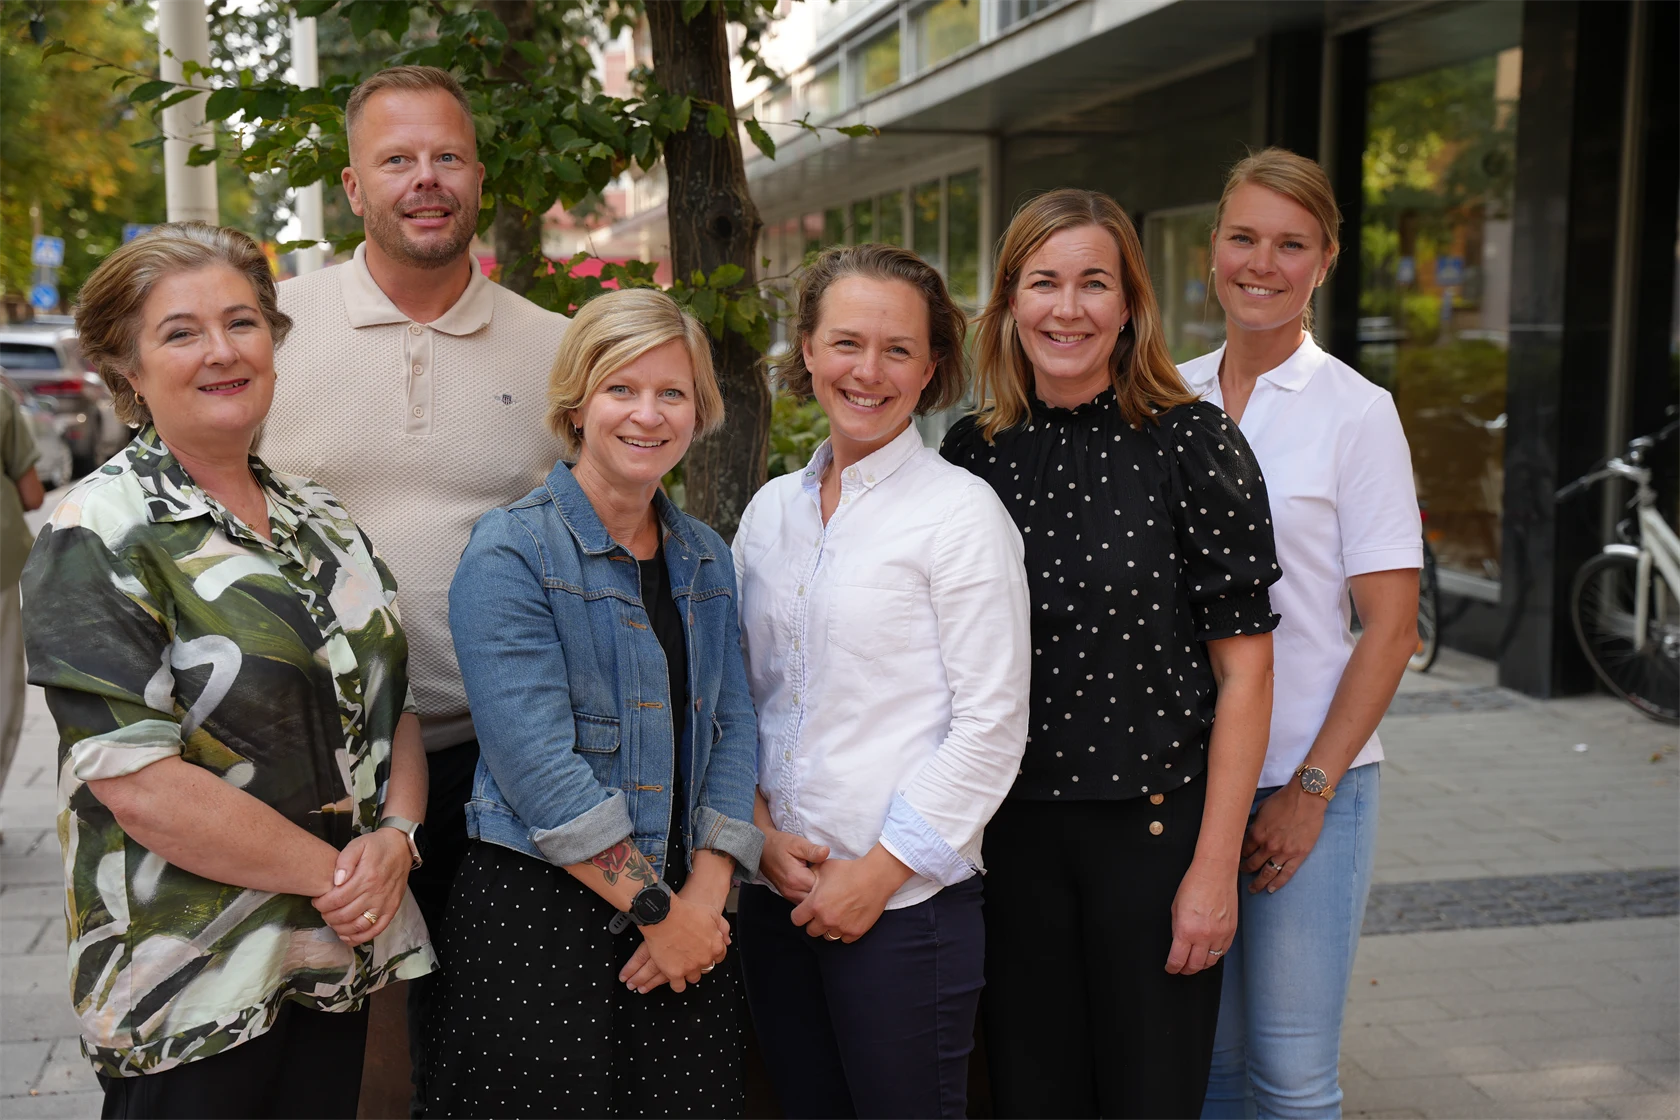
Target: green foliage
796 430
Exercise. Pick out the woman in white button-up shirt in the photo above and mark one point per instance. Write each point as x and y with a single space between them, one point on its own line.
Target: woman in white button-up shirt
885 622
1345 518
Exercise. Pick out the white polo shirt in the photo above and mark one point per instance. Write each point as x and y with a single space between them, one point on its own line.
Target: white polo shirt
1339 475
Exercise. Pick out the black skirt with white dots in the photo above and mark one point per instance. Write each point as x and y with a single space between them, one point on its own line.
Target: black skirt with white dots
531 1019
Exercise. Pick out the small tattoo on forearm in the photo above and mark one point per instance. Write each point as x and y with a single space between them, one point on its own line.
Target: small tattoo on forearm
623 858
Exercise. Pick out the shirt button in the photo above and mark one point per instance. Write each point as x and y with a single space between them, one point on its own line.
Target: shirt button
796 699
419 369
418 412
802 589
787 756
414 328
1156 828
851 472
697 705
1156 798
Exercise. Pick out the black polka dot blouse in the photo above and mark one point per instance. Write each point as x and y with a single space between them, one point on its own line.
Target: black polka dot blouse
1141 545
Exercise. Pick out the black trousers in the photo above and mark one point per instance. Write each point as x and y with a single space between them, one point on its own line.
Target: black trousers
530 1018
449 774
308 1064
1081 1016
880 1027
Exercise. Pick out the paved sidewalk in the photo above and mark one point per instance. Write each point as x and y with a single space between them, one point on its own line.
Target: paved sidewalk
1477 1011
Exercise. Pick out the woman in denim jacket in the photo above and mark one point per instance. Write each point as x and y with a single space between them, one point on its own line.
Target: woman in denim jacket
596 629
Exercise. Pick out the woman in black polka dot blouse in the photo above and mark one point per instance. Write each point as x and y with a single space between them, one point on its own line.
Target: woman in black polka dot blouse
1111 889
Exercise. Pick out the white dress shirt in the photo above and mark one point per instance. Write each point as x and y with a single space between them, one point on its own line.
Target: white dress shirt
888 654
1339 475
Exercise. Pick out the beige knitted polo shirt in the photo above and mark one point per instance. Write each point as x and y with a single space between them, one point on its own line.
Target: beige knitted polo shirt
418 428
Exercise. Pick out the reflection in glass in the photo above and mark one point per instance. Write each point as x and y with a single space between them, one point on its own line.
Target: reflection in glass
822 95
890 223
863 221
877 63
944 28
1176 247
1436 286
924 223
963 237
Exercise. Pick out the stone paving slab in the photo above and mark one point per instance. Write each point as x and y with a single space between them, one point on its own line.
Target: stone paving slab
1529 900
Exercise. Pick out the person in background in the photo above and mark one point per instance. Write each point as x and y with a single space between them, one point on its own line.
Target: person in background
412 389
1346 518
597 635
1112 885
885 613
238 754
20 490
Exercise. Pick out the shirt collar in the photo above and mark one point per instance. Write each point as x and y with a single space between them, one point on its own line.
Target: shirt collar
172 495
367 305
1293 374
585 524
868 471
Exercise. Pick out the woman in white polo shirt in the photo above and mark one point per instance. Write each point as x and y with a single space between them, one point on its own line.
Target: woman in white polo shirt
885 622
1345 518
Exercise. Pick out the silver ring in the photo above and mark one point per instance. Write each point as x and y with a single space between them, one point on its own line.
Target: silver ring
1216 952
1274 865
831 936
707 967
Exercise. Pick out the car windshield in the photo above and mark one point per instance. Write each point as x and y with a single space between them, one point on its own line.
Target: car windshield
17 356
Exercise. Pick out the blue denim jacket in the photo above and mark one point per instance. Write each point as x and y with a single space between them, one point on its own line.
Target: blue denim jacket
569 689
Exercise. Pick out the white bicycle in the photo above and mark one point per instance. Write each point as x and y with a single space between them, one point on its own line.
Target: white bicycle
1624 603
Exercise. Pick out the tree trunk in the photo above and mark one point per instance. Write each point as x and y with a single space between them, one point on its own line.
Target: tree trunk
514 233
713 221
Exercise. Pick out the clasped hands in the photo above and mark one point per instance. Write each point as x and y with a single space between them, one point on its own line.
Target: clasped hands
694 936
836 899
369 878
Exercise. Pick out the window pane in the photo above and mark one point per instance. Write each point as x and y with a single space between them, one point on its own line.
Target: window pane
1436 286
944 28
963 276
863 221
877 63
1175 246
822 96
924 223
890 221
813 225
834 227
1014 11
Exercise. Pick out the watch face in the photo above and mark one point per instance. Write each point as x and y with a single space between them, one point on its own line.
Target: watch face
1314 780
650 905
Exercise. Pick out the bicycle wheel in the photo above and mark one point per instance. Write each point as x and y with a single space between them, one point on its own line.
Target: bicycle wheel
1602 607
1429 614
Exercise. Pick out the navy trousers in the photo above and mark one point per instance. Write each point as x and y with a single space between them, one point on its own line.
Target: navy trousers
880 1027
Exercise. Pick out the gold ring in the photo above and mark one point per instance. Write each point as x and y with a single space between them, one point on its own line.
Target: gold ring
372 917
831 936
707 967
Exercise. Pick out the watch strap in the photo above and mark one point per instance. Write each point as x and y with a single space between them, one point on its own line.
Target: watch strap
1328 792
624 919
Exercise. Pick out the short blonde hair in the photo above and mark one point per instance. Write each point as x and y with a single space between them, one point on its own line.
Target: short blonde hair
410 79
947 324
1141 370
109 304
613 330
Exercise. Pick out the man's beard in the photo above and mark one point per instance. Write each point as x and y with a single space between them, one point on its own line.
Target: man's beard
385 228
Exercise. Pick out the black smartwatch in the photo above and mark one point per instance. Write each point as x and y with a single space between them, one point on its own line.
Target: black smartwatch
651 906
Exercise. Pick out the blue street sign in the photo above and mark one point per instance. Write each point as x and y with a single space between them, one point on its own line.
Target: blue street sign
1449 271
134 229
43 297
48 251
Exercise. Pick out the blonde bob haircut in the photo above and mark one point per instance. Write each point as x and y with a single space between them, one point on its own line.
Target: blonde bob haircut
108 306
1300 180
610 332
1141 370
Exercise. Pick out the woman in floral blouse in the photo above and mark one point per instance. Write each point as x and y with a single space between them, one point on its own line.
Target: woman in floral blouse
222 654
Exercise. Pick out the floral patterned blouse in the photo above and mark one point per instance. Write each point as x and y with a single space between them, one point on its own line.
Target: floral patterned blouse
160 625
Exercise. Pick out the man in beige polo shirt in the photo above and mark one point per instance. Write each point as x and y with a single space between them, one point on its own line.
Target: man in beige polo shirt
414 389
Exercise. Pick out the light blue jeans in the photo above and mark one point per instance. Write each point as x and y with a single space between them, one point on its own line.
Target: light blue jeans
1286 975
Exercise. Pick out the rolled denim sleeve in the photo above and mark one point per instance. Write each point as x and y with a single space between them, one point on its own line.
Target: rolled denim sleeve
979 589
514 667
723 821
